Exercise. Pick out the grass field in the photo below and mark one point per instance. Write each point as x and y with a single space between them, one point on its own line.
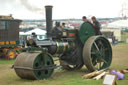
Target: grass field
124 36
62 77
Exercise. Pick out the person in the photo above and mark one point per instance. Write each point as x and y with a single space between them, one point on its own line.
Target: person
23 42
96 25
63 26
28 40
84 19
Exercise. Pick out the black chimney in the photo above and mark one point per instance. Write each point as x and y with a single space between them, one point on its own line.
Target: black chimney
48 10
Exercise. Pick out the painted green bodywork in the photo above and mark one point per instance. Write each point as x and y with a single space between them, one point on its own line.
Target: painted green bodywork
60 47
86 31
73 32
64 46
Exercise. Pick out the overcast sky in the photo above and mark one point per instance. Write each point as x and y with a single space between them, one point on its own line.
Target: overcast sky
34 9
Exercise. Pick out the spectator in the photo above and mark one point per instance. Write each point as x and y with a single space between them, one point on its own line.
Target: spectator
28 40
23 42
84 19
63 26
96 25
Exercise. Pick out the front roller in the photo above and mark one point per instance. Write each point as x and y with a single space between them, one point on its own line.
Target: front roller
97 53
34 65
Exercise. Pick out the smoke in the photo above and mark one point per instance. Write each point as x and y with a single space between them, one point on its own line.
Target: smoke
31 7
6 2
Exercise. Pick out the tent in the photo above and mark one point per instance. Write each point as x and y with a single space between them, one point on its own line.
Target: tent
118 24
37 31
41 34
22 33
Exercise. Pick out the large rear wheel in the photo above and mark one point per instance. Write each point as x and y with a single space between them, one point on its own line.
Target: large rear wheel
97 53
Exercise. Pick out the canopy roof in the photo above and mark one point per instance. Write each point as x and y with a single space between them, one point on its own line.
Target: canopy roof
118 24
36 30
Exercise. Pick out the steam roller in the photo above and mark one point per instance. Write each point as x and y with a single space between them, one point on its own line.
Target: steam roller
73 47
32 65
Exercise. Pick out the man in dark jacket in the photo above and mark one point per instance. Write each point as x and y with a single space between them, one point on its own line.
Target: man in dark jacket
96 25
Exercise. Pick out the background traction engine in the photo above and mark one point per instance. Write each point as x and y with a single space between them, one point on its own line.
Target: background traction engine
73 47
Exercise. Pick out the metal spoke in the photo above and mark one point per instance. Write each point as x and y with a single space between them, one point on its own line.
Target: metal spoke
96 46
100 65
45 60
100 42
101 48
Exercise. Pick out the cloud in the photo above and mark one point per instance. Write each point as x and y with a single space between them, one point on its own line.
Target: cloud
31 9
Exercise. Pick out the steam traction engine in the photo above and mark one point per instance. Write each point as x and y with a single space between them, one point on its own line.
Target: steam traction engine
74 48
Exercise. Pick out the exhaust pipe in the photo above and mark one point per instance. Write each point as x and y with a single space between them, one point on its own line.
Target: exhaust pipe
48 10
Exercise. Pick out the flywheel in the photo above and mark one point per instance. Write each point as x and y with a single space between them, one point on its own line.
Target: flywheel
97 53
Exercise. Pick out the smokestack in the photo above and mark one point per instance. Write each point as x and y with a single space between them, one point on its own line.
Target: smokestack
48 10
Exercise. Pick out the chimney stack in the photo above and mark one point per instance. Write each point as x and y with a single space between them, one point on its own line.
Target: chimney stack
48 10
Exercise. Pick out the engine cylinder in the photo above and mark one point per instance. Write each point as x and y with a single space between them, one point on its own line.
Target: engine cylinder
61 47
